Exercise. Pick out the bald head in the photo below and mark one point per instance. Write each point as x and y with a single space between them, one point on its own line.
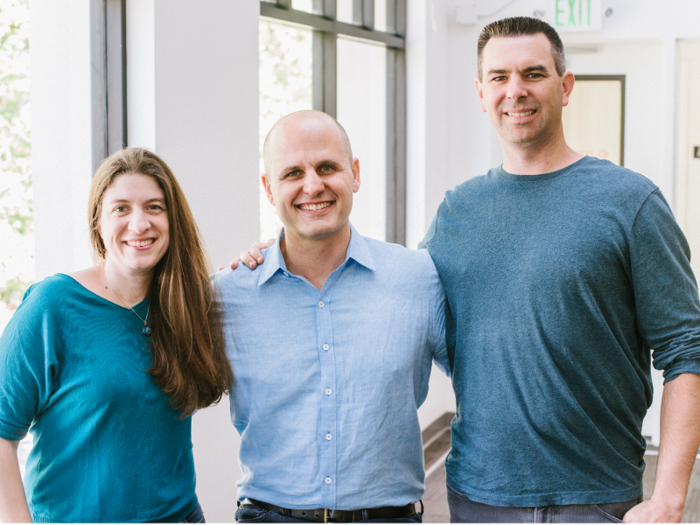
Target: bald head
297 123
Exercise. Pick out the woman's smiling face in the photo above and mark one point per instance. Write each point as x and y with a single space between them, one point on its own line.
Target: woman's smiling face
134 223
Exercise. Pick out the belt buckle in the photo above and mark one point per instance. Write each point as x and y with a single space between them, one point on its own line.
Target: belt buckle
325 516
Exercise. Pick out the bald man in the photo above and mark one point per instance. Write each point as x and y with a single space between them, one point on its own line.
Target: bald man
331 344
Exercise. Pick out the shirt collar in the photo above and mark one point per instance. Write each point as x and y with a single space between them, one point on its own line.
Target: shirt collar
274 261
358 251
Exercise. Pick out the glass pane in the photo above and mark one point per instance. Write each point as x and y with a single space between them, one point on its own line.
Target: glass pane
303 5
285 86
380 15
362 112
344 11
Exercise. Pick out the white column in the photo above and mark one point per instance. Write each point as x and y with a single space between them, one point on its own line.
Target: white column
61 134
427 150
192 90
416 108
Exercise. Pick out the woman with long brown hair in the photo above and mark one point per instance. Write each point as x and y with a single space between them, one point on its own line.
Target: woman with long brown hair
108 364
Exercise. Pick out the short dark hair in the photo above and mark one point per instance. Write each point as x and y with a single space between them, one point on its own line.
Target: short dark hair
519 26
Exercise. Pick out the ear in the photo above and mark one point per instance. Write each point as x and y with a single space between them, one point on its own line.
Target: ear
567 84
268 188
355 175
480 92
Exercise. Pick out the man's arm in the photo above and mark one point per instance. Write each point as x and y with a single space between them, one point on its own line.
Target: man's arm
678 446
13 502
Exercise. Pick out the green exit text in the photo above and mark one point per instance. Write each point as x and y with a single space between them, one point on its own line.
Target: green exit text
572 13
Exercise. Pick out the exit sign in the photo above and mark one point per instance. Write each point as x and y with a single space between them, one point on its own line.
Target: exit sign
575 15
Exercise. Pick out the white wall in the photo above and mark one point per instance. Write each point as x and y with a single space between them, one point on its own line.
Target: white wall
61 134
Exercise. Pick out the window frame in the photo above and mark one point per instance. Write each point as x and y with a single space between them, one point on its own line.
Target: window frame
326 29
108 79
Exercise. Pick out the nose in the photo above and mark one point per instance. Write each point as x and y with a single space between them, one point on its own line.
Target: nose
313 184
516 88
139 221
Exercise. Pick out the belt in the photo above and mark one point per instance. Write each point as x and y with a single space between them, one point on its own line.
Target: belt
340 516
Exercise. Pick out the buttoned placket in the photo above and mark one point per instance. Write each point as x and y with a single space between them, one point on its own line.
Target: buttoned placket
327 392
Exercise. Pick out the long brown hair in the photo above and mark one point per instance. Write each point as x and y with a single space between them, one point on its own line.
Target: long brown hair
188 361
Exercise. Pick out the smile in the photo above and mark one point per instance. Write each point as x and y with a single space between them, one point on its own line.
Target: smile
525 114
313 207
139 244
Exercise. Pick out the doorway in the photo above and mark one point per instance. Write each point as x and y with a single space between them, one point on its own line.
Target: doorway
687 190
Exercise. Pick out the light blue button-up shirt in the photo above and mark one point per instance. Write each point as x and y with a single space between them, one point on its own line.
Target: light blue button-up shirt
327 383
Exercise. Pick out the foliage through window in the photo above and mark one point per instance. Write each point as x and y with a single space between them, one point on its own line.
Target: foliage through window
16 225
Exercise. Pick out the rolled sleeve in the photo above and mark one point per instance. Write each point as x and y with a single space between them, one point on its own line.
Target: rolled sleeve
666 292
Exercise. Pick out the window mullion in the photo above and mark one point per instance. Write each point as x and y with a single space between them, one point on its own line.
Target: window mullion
399 17
368 14
395 147
357 12
324 72
329 8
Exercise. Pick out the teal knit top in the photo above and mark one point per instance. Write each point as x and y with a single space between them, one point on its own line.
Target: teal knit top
107 445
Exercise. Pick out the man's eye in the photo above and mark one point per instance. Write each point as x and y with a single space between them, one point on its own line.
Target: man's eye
293 174
535 75
326 168
498 79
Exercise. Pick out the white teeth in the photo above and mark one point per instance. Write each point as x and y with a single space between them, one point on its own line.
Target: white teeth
138 244
522 114
312 207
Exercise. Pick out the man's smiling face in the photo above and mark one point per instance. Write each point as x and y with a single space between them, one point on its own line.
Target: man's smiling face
521 91
311 177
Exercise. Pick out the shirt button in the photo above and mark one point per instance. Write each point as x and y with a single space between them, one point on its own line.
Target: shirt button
320 303
328 391
329 437
329 481
325 347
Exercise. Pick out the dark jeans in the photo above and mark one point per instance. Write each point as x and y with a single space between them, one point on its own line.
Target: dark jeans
464 510
248 513
196 516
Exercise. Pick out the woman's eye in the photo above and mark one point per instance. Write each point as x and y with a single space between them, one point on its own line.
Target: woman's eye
120 209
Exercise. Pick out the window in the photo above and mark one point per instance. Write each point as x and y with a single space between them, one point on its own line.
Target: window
346 58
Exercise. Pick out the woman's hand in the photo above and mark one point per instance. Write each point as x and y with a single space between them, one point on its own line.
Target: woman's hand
13 502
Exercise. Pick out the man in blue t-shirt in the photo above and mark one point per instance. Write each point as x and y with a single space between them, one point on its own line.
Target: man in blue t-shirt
561 273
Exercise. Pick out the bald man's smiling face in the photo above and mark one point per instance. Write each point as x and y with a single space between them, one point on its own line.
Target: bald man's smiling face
311 178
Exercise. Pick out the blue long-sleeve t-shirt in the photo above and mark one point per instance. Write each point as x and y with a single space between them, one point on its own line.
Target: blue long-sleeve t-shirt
107 445
558 287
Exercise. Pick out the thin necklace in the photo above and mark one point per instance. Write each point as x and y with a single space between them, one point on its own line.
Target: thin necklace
146 330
